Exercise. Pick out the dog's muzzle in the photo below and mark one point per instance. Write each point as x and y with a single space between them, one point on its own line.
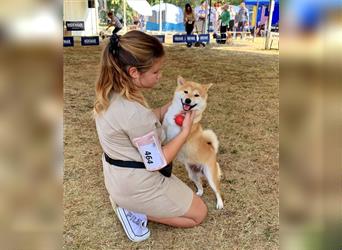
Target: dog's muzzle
186 104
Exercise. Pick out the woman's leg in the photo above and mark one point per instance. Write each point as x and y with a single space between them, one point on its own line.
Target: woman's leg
116 30
188 29
195 215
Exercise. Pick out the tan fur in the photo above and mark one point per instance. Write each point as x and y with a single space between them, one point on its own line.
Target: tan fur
201 146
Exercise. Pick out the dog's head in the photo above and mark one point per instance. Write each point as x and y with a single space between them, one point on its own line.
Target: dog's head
191 95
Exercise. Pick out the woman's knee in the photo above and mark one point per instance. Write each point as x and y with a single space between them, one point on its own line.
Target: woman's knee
203 209
198 210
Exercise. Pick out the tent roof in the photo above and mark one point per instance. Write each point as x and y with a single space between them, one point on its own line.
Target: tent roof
261 2
165 6
140 6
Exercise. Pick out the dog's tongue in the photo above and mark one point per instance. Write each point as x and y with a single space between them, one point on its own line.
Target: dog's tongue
186 107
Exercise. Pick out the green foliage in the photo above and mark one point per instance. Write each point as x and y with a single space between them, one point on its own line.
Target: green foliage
117 6
194 3
235 2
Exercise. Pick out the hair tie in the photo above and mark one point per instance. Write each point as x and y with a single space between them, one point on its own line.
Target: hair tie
114 44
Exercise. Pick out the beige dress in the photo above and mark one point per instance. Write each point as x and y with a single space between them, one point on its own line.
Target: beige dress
138 190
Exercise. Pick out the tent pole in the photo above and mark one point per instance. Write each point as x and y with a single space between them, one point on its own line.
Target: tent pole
256 20
160 16
269 24
209 17
125 18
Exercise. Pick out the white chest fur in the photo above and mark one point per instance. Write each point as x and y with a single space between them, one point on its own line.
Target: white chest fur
170 127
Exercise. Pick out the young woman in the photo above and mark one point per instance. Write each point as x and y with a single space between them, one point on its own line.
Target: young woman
130 134
189 20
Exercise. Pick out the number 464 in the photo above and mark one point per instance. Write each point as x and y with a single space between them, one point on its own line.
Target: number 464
148 157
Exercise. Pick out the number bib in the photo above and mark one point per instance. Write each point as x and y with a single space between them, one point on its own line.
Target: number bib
150 150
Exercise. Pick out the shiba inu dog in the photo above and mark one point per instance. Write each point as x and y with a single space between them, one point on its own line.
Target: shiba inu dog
198 154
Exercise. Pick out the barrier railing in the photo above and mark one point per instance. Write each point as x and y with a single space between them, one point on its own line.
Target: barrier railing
68 41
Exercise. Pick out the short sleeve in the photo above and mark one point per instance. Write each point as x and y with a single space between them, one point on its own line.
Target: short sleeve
145 134
142 123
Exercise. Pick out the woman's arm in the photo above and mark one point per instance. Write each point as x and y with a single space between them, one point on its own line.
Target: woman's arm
109 25
171 149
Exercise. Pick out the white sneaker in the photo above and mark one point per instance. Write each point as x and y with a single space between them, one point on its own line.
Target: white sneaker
134 224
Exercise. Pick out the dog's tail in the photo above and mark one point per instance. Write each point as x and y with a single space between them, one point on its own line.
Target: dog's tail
211 138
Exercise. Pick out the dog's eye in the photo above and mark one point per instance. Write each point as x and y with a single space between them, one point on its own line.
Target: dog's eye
185 91
197 95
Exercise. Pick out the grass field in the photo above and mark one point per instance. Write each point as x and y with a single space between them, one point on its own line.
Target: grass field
242 110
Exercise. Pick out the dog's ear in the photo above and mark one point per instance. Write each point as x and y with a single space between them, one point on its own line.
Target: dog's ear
180 80
207 86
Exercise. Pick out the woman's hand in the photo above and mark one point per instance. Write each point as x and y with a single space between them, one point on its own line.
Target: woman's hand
187 122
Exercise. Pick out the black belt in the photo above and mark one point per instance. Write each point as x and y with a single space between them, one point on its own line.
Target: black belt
166 171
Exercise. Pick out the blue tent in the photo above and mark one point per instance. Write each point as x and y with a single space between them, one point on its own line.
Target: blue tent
275 17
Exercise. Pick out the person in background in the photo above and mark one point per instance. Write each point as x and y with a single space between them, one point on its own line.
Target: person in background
113 21
141 23
218 9
232 18
136 19
201 13
189 20
225 18
242 17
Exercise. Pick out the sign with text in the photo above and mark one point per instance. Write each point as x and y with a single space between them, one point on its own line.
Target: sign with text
203 38
74 25
191 38
161 38
179 39
68 41
90 40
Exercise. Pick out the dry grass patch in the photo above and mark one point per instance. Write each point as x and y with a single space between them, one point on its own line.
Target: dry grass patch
243 112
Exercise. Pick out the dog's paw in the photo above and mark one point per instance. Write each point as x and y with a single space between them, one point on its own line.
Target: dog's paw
199 192
219 204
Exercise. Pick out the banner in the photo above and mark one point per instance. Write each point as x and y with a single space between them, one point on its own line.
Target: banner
68 41
203 38
74 25
178 38
90 40
191 38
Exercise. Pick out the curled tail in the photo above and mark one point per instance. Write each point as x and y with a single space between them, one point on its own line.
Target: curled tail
210 136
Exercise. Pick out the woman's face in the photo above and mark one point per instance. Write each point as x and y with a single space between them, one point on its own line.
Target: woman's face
151 77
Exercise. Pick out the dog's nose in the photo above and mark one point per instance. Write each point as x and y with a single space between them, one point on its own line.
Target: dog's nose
187 101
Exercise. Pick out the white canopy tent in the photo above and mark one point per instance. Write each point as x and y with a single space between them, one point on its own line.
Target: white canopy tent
167 16
140 6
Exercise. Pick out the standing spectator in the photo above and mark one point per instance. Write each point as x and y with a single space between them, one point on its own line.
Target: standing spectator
212 18
218 9
189 20
242 17
113 21
201 16
225 18
232 18
142 23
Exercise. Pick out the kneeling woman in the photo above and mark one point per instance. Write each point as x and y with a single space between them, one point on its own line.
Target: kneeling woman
136 162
